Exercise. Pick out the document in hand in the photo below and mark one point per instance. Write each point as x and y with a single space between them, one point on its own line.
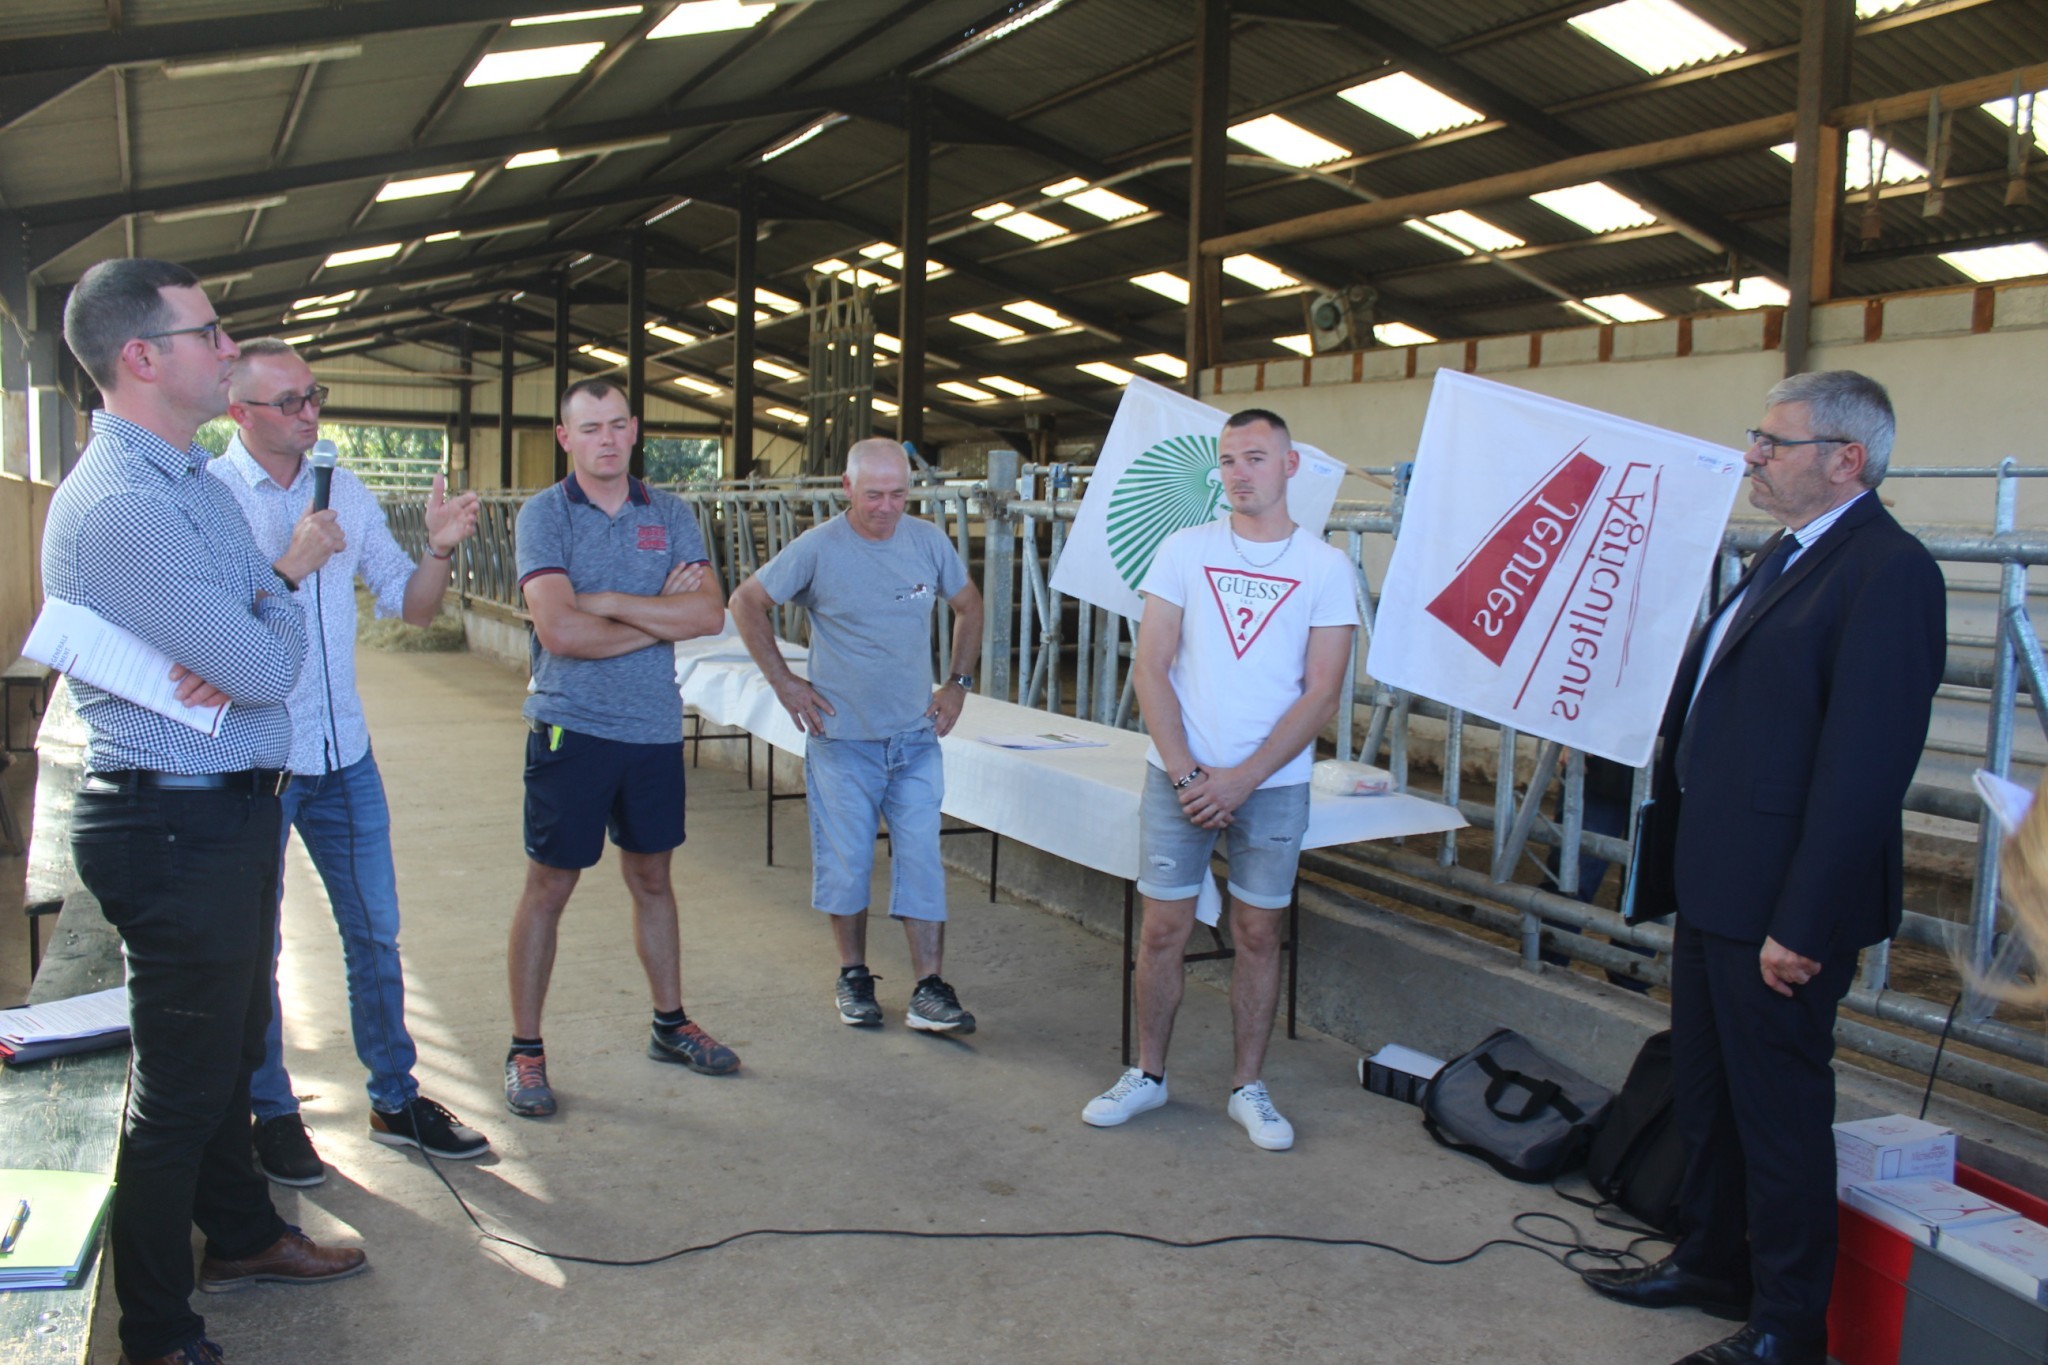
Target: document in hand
83 1023
77 642
62 1227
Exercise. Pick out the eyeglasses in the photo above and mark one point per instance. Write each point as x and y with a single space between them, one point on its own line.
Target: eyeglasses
211 331
291 404
1773 444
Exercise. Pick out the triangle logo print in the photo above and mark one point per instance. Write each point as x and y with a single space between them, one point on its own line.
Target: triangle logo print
1247 602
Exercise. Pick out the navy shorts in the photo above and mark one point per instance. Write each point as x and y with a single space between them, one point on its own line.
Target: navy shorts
580 788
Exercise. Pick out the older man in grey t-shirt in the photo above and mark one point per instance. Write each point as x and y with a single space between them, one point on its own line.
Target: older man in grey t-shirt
869 578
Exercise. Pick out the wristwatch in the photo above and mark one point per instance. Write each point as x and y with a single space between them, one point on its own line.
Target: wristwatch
965 681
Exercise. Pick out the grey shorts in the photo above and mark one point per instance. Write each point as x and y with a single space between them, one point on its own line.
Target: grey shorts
1263 844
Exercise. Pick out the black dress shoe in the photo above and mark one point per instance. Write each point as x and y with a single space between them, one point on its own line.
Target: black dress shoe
1754 1346
1669 1285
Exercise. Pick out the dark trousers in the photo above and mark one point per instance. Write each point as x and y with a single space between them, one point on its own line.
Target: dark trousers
189 879
1755 1106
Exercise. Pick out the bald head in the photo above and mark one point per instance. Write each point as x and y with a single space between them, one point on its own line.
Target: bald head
877 484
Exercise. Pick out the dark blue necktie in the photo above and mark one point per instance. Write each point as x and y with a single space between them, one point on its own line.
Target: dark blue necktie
1753 596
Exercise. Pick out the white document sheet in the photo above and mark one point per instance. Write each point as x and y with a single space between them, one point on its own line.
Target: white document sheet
81 1016
77 642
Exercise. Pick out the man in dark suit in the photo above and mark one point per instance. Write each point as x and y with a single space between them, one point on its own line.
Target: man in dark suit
1790 738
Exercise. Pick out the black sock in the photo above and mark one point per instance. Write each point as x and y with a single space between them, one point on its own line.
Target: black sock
1156 1080
670 1021
524 1047
858 967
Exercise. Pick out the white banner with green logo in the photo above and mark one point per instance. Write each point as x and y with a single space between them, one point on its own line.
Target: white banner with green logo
1157 475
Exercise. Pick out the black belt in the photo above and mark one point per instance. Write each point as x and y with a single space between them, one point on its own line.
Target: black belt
256 781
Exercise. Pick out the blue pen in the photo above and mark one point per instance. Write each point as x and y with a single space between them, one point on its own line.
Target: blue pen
13 1232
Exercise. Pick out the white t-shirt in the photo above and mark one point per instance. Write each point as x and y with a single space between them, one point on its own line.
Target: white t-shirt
1243 653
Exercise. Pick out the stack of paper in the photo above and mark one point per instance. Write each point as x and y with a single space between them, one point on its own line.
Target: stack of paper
1925 1208
59 1231
81 1024
2013 1253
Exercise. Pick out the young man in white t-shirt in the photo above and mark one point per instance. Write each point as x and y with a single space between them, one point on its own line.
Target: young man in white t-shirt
1240 664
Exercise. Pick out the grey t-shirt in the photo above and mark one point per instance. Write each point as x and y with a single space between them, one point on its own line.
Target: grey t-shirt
632 697
871 609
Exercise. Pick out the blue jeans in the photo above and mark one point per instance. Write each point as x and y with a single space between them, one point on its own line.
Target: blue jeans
345 826
855 783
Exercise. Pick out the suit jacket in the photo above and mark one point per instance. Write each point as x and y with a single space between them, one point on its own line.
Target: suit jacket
1805 738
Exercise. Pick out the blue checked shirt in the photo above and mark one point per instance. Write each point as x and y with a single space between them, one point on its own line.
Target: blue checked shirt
139 534
328 729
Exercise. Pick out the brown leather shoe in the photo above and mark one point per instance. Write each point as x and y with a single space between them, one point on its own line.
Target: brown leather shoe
292 1259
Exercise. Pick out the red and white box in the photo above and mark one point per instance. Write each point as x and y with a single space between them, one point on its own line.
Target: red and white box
2013 1253
1893 1147
1925 1208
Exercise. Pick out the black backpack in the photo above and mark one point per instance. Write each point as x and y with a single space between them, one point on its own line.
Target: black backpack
1523 1113
1636 1161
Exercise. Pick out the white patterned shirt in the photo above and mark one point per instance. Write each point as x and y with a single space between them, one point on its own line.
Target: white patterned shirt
328 729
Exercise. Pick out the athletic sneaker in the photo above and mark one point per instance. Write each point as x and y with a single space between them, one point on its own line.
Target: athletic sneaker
1253 1107
856 992
284 1151
527 1092
429 1127
1133 1094
935 1009
692 1047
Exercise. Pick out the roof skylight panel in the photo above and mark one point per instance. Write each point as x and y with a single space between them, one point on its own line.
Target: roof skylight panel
1108 373
1026 225
789 415
1284 140
988 326
967 391
776 369
1462 232
1754 292
1987 263
361 254
1595 207
1164 283
1258 272
2001 109
1416 108
1400 334
532 64
576 16
1656 35
709 16
1032 311
1624 308
1016 388
1861 154
1166 364
1298 343
420 186
1105 204
690 381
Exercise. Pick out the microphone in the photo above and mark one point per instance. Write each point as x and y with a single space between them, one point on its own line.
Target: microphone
323 460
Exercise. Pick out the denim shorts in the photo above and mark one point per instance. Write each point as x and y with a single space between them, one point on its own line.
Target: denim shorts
580 787
1263 844
853 784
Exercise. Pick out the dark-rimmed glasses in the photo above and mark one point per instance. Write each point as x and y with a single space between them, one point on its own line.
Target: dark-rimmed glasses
209 330
1773 444
292 403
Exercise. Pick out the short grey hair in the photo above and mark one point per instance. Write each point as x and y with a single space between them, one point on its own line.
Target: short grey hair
872 449
1844 403
112 304
260 349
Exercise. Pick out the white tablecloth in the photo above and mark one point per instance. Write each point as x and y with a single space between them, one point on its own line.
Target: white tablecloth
1080 804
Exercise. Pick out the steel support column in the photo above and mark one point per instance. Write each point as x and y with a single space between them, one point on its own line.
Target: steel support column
636 348
1815 242
917 199
14 324
506 360
743 329
561 360
1204 345
463 474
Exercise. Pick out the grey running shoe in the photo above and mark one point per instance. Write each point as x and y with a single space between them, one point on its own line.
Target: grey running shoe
856 992
527 1092
692 1047
935 1009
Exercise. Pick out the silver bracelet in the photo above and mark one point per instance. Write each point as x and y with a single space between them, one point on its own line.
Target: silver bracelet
1187 781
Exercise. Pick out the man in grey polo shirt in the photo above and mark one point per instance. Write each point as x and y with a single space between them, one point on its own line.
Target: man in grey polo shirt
869 579
613 572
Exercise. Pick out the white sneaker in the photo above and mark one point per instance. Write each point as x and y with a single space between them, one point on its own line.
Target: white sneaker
1253 1108
1133 1093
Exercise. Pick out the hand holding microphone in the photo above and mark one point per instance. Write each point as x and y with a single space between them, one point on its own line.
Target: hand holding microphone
318 537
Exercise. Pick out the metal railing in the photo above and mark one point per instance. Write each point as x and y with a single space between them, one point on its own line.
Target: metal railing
1044 650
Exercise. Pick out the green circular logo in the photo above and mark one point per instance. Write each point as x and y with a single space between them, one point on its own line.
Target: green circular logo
1169 488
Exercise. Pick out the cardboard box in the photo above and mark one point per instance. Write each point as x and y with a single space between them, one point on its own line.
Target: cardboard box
1924 1208
1892 1148
1398 1072
2013 1254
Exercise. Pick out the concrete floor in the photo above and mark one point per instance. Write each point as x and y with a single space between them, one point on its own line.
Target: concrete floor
827 1127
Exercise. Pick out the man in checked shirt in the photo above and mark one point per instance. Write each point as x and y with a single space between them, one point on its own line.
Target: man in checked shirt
175 831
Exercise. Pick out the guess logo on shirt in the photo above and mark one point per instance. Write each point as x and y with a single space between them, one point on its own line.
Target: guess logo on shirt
1247 602
653 538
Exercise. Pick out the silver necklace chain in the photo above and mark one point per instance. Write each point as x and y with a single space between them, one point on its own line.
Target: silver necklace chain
1285 545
